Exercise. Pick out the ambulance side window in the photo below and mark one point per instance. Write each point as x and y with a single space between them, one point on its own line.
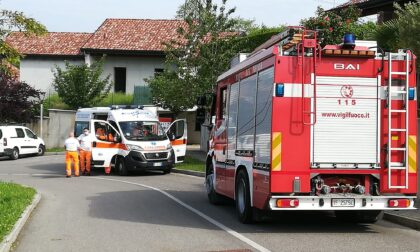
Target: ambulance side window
100 131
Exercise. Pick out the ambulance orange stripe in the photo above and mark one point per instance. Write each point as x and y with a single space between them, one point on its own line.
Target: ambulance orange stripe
178 142
110 146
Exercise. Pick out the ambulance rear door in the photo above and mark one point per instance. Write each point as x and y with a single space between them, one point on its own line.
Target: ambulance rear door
177 133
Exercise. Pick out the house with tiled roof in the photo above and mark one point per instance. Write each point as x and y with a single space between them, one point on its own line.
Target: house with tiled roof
134 50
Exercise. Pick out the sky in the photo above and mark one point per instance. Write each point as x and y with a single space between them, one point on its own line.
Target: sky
87 15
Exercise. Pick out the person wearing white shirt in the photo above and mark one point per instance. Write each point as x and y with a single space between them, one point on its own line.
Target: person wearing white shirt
72 146
85 153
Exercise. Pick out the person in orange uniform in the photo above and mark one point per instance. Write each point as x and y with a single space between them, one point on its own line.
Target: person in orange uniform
72 156
85 153
101 135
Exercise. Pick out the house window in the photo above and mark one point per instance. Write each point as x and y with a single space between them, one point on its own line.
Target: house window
120 74
158 71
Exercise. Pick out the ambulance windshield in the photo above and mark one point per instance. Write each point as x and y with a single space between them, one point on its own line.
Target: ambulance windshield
142 131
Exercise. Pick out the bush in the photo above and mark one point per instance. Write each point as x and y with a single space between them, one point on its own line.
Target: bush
115 99
54 102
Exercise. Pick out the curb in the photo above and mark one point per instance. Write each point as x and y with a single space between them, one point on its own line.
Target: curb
404 221
8 241
54 153
187 172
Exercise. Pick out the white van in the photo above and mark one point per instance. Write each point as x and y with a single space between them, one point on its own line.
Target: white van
16 141
134 140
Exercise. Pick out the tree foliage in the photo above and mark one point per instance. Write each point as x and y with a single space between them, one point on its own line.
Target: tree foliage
333 25
15 21
18 100
202 51
403 31
81 85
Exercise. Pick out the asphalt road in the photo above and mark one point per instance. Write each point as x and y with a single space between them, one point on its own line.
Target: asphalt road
155 212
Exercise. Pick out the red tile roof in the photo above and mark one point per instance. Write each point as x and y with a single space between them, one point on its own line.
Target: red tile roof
52 43
133 34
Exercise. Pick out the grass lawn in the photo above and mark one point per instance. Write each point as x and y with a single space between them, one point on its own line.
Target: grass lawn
191 164
13 201
59 149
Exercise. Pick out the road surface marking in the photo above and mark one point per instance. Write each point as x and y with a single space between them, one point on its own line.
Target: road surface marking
197 212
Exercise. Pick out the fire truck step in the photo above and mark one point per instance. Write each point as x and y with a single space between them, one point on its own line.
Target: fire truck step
399 130
398 91
397 168
397 187
398 111
397 149
398 73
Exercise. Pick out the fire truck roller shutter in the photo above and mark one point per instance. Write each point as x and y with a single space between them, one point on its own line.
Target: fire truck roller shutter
246 114
263 116
232 120
346 132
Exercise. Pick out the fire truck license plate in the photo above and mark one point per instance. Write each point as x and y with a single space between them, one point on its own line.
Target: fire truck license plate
343 202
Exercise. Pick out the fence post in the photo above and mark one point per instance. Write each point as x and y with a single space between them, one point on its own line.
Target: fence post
42 120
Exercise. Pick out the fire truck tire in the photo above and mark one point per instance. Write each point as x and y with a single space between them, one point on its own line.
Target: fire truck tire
214 197
362 216
243 199
121 168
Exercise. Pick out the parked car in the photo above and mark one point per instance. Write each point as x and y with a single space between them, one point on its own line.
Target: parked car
16 141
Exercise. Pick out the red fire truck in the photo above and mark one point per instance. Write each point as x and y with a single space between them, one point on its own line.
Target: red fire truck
300 127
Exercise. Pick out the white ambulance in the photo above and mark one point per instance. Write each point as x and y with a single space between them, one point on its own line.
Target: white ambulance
134 140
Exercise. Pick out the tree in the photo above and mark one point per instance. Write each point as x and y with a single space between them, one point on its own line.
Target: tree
81 85
409 25
12 21
202 51
18 100
333 25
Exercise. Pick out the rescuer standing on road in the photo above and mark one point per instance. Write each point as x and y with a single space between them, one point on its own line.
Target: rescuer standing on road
85 153
72 145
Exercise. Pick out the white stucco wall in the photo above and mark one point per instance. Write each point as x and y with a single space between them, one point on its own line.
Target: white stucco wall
138 68
38 73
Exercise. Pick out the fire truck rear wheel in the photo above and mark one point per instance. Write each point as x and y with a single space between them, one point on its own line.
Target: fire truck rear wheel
121 168
362 216
213 196
243 199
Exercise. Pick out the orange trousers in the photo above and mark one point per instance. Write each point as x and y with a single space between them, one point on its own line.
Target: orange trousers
72 157
85 157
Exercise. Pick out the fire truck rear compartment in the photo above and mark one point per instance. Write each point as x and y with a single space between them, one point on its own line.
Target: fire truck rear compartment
345 134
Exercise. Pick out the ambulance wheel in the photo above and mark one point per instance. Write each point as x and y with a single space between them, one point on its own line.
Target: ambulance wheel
213 196
167 170
41 150
121 168
362 216
15 154
243 199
